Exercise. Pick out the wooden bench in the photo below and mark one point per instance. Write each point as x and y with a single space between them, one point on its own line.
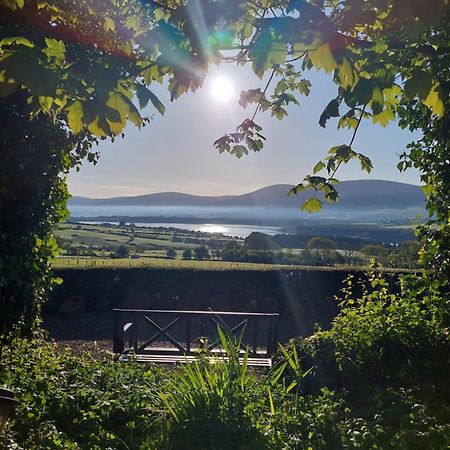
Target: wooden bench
143 335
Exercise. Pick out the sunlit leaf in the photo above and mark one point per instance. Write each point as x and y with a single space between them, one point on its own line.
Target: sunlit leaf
109 24
312 205
346 74
55 49
434 101
318 167
384 117
74 116
322 58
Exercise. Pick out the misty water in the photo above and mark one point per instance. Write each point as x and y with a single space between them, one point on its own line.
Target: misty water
233 230
111 212
234 212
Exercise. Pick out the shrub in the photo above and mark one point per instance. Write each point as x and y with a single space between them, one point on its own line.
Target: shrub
78 402
385 335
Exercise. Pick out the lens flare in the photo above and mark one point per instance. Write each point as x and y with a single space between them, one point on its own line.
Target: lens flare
222 89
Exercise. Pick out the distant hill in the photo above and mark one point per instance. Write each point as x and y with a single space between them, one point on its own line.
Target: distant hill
358 194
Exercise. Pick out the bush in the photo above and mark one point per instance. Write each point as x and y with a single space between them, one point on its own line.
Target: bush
72 402
122 252
390 335
78 402
386 356
171 253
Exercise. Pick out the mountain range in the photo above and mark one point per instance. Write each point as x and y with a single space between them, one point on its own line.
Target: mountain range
356 194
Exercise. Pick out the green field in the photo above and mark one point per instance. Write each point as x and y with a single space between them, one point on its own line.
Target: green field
161 263
110 246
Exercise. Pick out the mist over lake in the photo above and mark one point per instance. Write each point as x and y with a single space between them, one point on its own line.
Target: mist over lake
233 230
235 212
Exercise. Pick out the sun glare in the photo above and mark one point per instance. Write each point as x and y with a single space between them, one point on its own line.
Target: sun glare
222 89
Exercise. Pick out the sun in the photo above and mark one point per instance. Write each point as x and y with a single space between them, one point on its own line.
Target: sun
222 89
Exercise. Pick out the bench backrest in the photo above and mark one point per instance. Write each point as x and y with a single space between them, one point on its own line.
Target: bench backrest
167 332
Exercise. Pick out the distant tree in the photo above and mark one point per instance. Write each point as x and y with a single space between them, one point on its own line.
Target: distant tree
374 250
322 250
187 254
318 242
122 251
171 253
406 256
201 252
122 223
349 253
260 241
72 251
234 251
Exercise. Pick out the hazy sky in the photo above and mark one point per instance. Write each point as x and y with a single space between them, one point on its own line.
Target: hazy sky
176 153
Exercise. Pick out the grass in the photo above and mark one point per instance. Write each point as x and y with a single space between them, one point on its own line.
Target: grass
161 263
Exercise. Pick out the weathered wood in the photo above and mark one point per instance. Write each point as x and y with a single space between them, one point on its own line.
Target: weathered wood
181 340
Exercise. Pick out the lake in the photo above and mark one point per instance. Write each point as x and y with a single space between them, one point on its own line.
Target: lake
234 230
205 212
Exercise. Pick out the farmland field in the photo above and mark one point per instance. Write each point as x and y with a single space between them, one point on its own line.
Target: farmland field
63 262
126 245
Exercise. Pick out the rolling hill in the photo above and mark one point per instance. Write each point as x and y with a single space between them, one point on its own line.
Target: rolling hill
357 194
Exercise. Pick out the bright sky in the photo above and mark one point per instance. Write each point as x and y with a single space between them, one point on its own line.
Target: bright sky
176 152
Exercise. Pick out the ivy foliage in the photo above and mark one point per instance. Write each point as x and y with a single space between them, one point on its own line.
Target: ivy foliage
36 156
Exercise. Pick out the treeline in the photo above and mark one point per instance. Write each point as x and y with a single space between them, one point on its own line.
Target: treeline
316 251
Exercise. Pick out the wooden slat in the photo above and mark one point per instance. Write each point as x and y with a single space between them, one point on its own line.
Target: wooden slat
195 313
176 359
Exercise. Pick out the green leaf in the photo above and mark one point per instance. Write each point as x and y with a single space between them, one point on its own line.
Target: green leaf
343 152
14 4
419 84
109 24
384 117
318 167
18 40
331 110
74 116
428 190
266 52
159 14
323 58
312 205
278 111
145 95
346 75
133 22
239 151
116 102
55 49
366 163
434 101
377 100
23 67
296 189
